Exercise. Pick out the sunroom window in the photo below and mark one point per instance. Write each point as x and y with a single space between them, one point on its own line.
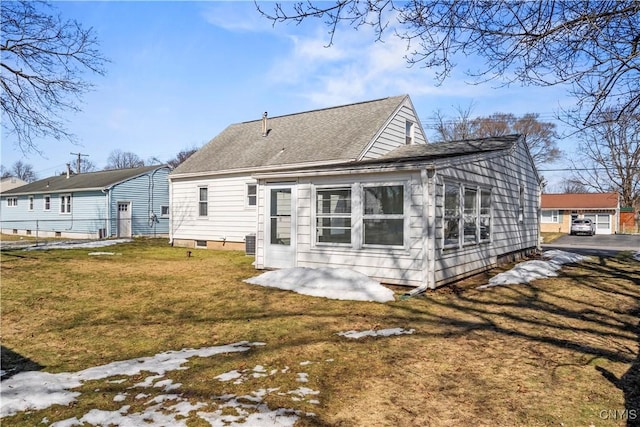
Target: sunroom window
451 214
333 215
383 215
470 215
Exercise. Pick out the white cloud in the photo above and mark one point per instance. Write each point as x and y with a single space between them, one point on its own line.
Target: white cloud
236 17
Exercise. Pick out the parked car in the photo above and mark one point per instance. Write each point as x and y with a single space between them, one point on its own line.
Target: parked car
582 226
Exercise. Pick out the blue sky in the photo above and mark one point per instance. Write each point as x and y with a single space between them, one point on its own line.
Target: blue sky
181 72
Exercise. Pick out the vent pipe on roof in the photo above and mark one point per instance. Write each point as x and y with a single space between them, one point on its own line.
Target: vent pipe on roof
264 124
68 170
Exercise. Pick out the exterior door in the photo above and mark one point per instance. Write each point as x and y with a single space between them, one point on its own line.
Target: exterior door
124 219
280 236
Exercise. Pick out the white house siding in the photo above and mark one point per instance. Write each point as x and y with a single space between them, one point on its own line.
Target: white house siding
393 135
229 218
392 265
87 216
503 176
147 194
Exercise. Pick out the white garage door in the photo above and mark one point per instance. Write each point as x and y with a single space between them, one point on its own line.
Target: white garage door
602 222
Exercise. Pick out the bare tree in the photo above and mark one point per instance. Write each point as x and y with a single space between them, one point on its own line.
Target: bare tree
572 186
119 159
611 157
21 170
540 137
591 45
85 166
43 60
181 157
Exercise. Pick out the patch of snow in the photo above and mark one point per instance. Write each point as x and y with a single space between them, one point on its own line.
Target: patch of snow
228 376
303 377
77 244
378 333
528 271
101 253
334 283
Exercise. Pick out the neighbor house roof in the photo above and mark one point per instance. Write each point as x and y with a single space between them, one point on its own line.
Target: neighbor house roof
10 182
82 182
336 134
580 201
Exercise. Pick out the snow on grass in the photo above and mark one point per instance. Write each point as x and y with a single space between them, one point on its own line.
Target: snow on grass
38 390
376 333
637 255
334 283
76 244
529 271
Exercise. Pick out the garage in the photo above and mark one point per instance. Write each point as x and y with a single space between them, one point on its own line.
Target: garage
602 222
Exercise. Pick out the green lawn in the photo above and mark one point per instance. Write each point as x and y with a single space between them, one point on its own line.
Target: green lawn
561 351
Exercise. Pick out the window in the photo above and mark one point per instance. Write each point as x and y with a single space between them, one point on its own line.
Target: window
164 210
65 204
383 215
203 201
12 201
30 203
252 193
451 214
485 215
521 205
333 215
47 203
409 132
475 221
550 216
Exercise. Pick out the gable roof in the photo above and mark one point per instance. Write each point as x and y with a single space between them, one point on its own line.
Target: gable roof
336 134
82 182
580 201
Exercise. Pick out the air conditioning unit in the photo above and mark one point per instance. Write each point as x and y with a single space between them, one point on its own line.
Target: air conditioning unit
250 244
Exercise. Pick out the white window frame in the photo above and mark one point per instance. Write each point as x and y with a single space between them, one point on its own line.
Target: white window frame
46 202
251 197
409 132
396 216
552 218
482 214
65 204
164 210
31 203
203 203
12 202
317 215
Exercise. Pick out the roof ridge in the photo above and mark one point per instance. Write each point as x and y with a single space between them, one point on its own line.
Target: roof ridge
326 108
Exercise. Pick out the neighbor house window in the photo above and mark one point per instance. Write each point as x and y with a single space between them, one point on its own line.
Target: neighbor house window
164 210
47 203
12 201
550 216
409 132
383 215
30 203
252 194
451 214
333 215
203 201
65 204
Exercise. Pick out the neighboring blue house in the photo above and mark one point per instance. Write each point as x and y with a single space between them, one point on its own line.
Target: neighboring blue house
113 203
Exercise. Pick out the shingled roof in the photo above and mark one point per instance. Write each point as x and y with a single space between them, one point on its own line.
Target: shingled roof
336 134
81 182
571 201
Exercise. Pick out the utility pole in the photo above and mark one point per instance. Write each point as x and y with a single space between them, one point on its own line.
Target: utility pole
78 161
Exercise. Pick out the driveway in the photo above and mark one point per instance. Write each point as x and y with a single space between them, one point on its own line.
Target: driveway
600 244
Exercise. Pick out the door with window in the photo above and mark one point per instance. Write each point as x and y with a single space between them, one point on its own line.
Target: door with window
280 236
124 219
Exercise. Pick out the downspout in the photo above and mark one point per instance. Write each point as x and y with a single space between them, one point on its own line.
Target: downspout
427 177
171 205
107 211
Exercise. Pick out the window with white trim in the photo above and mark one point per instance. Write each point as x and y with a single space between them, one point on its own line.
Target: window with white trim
30 203
164 210
252 194
383 215
47 203
65 204
333 215
548 216
203 201
12 202
521 205
467 208
409 132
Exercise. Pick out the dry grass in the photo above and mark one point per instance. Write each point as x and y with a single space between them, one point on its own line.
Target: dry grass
557 352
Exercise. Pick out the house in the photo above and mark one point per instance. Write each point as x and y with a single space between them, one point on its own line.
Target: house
358 186
10 182
558 210
112 203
